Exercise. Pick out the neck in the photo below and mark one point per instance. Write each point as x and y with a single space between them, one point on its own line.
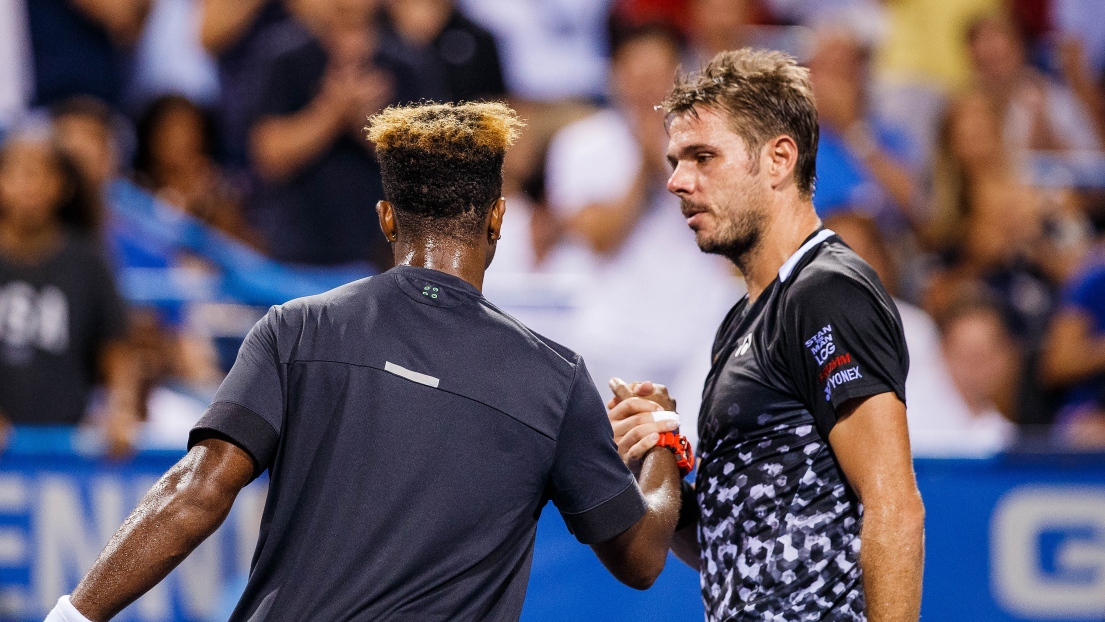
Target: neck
464 261
782 237
29 245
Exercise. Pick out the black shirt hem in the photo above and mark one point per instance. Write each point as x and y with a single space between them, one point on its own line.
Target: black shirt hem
608 519
241 426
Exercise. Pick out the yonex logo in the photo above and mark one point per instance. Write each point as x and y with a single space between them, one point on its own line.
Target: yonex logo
743 347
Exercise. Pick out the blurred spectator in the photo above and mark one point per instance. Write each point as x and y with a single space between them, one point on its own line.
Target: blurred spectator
62 323
990 222
234 32
716 25
1074 357
175 160
83 47
623 230
1036 113
453 58
168 57
86 131
984 363
551 49
940 420
16 79
925 42
862 161
320 179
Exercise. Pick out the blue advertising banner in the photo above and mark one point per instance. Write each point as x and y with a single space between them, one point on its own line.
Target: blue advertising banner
1008 539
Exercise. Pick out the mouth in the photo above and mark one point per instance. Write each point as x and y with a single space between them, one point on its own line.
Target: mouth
694 217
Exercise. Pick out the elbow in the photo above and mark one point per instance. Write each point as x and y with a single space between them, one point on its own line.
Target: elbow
643 573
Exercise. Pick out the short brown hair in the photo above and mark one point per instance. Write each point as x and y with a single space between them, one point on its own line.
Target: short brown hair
442 164
765 94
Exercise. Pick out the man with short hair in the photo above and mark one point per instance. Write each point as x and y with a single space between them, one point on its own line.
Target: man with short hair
412 430
804 449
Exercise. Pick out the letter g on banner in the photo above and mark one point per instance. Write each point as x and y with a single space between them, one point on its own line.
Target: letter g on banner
1048 552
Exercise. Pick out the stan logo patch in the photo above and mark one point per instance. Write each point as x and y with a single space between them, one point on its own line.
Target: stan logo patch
821 344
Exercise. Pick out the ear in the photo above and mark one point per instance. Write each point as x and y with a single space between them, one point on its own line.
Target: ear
495 222
781 158
387 220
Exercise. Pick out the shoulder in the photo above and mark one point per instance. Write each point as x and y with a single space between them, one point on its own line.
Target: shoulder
334 303
835 272
528 339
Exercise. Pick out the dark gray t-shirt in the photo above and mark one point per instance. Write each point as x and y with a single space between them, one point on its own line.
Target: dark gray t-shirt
55 318
413 433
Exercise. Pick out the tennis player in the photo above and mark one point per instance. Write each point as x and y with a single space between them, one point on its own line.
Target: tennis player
412 431
803 447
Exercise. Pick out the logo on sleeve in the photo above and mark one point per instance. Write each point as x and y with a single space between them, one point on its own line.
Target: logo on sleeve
821 344
841 377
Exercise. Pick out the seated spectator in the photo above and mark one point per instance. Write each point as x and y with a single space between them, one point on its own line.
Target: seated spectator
319 178
940 420
982 356
86 131
1036 112
862 161
175 161
63 325
987 223
83 48
1074 357
454 59
621 228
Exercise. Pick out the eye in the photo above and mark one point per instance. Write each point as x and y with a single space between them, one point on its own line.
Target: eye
703 158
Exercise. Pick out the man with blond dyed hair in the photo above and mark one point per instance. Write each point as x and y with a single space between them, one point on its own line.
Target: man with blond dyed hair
805 507
412 430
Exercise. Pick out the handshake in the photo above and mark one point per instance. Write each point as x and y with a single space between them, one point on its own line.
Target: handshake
643 416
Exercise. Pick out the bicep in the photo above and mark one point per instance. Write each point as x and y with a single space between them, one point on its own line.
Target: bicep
871 443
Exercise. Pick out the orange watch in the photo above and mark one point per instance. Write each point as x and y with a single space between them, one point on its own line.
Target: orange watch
681 447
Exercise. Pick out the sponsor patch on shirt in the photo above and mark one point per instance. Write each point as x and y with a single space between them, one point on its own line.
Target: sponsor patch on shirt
839 378
821 344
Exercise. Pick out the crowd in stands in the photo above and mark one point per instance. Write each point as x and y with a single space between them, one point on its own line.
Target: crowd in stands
201 145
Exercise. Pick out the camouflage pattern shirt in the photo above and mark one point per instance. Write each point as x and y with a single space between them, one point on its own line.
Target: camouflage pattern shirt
779 527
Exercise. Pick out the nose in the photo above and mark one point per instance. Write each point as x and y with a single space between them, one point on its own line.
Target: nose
681 181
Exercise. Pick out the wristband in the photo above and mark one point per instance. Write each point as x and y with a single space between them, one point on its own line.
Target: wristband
678 444
64 611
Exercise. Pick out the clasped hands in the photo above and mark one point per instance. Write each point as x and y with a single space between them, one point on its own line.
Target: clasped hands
631 413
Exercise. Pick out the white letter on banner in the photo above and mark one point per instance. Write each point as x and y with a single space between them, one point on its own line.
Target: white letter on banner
68 540
1020 585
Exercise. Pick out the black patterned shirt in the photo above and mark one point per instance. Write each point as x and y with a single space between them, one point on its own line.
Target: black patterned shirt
779 527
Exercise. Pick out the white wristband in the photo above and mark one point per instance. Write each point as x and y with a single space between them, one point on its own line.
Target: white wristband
665 415
64 611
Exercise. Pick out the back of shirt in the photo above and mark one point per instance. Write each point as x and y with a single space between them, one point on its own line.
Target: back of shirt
413 432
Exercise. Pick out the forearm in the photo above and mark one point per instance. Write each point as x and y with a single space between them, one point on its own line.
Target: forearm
123 19
185 506
892 558
280 146
222 21
605 226
637 556
1069 362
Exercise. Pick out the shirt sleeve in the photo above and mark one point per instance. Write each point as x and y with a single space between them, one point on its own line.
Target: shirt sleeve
590 485
844 340
248 409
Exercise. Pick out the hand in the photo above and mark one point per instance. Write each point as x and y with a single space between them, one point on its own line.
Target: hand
651 391
636 432
120 433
